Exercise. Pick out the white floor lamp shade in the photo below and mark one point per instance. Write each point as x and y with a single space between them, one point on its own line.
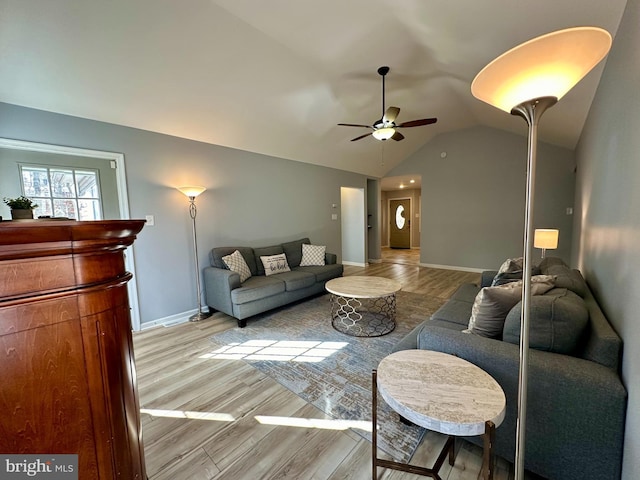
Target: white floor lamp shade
525 81
546 239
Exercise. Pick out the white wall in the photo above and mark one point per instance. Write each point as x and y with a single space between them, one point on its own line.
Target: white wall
607 239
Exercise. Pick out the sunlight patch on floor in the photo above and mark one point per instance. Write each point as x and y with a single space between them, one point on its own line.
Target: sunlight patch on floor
277 350
212 416
322 423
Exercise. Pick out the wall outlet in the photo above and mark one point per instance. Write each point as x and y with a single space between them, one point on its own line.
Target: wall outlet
334 216
569 210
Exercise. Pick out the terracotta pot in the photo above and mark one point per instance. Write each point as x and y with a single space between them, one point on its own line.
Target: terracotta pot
21 213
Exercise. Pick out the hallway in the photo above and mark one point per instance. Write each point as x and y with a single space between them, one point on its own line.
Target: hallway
404 256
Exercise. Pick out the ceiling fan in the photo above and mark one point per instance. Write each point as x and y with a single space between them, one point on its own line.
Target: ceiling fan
386 127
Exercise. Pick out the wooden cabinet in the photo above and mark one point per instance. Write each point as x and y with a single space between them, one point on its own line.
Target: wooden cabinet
67 372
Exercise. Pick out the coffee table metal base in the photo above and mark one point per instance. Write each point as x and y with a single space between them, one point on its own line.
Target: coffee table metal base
448 450
363 317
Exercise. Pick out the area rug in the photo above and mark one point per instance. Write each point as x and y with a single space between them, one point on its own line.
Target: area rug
297 346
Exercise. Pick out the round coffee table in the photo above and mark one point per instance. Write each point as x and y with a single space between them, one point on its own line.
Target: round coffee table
363 306
443 393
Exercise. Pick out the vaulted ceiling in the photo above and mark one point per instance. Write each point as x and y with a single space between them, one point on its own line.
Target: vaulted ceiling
275 77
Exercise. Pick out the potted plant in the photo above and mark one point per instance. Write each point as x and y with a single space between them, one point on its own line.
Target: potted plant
21 207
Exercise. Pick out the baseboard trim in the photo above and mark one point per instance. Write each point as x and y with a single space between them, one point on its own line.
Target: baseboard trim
169 321
354 264
375 260
453 267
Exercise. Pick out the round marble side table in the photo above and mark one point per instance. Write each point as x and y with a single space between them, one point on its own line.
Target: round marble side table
363 306
442 393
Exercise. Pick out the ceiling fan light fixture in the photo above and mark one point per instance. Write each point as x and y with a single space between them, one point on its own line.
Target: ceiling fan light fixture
384 133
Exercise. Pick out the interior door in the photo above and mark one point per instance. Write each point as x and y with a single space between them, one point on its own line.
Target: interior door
400 223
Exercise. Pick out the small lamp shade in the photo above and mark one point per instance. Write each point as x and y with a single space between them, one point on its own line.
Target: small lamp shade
384 133
547 66
191 190
545 238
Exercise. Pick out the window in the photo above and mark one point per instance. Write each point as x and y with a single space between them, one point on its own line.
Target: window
400 217
63 191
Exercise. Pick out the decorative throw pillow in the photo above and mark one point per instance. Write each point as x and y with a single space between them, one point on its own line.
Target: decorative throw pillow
312 255
557 322
275 264
511 270
236 263
492 304
511 265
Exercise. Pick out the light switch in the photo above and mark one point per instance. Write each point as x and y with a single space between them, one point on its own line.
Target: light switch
334 216
151 221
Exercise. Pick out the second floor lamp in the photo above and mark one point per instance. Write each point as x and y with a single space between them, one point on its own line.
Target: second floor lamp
526 81
191 192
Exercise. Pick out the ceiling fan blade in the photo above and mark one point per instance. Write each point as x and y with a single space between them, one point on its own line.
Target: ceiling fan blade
418 123
397 136
360 137
390 115
354 125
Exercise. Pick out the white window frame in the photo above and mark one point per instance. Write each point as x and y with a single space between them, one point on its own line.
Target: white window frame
123 201
51 196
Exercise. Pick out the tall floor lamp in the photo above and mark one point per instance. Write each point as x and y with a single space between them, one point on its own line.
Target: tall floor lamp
526 81
192 191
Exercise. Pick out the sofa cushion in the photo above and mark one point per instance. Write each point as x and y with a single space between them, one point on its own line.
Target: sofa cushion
454 311
466 293
295 280
312 255
566 276
557 322
293 251
265 252
257 288
275 264
492 304
218 252
236 263
324 272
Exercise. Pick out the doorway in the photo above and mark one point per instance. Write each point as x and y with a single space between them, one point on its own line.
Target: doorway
400 223
352 209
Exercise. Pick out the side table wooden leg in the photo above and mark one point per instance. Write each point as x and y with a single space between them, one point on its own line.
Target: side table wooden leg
452 451
487 456
374 426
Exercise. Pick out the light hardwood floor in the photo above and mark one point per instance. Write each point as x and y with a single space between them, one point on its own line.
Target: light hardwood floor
199 415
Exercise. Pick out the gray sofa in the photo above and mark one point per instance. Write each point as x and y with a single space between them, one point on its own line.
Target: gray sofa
224 291
576 400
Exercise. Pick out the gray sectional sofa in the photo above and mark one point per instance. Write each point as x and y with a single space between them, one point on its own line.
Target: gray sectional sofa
576 400
224 291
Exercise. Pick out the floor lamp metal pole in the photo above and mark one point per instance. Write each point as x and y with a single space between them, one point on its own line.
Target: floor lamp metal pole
531 111
534 76
193 211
